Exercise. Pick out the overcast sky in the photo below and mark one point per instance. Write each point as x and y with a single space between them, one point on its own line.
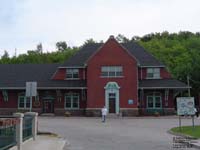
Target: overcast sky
25 23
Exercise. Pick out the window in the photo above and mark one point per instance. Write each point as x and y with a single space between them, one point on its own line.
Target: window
154 100
111 71
150 102
72 101
153 73
72 73
23 102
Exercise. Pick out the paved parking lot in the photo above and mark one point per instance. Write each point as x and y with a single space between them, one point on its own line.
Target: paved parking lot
116 134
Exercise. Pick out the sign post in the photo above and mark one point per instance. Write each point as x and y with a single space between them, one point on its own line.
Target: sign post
31 90
185 107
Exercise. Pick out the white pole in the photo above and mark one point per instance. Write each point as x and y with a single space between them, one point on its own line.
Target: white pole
31 97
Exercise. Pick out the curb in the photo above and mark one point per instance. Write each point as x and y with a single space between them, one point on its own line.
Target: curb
186 136
46 133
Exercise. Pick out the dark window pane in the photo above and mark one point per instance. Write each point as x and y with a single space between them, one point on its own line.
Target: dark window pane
75 104
75 75
68 101
118 74
104 74
150 102
111 74
157 102
69 76
21 101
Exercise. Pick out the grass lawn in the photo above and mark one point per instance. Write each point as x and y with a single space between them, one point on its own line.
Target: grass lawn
188 130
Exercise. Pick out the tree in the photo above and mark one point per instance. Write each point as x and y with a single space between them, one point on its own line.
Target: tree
89 41
39 48
61 46
122 39
5 55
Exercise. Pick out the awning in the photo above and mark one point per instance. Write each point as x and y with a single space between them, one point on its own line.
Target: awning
162 84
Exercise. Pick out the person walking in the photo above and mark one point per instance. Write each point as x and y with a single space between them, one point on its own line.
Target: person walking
104 113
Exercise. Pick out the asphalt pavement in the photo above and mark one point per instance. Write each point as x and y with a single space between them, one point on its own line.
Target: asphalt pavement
145 133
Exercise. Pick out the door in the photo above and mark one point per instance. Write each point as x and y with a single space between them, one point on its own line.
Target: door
112 103
112 97
48 106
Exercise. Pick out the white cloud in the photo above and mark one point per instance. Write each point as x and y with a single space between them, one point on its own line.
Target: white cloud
49 21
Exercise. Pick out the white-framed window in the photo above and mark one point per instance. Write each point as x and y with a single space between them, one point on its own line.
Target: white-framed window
23 102
72 73
71 101
111 71
153 73
154 100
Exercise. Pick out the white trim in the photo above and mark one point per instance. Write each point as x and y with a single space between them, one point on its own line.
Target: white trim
72 101
72 72
115 90
153 72
161 66
154 101
25 102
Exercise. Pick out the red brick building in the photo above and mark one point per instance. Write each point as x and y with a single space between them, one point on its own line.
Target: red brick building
121 76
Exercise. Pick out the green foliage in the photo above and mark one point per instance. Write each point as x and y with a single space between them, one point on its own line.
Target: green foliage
187 131
180 52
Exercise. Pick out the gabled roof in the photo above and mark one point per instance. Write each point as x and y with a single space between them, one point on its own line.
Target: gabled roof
15 76
80 58
162 84
144 58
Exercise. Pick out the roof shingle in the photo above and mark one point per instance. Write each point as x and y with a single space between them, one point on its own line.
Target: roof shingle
16 75
161 83
143 57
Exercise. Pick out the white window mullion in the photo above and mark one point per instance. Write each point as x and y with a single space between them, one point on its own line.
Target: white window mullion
71 97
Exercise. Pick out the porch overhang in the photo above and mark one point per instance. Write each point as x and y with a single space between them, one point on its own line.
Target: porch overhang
162 84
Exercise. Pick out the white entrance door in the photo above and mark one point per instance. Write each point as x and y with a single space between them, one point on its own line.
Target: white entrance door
112 97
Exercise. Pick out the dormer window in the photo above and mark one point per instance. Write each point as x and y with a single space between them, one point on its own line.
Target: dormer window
153 73
72 73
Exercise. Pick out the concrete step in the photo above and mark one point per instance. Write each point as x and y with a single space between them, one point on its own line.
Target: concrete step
47 114
113 116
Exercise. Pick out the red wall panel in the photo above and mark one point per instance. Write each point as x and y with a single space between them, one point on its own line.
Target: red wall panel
111 54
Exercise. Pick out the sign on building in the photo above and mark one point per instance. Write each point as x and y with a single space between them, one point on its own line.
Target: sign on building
185 105
31 89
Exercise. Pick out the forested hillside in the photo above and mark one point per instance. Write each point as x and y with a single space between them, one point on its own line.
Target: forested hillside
180 52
